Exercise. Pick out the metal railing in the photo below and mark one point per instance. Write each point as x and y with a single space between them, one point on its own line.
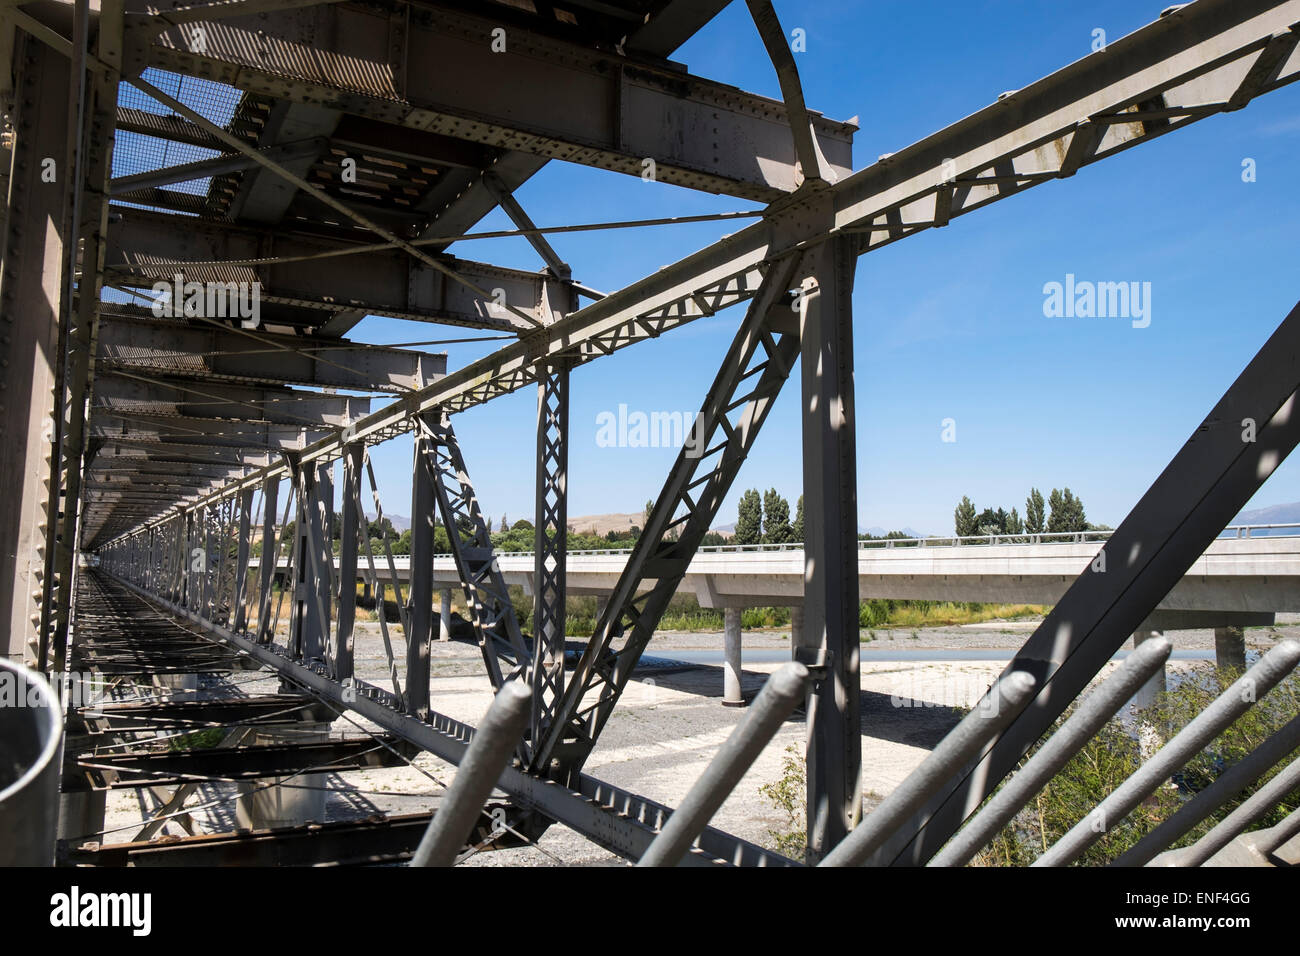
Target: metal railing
945 541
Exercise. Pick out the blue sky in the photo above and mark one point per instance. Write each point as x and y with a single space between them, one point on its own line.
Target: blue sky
948 324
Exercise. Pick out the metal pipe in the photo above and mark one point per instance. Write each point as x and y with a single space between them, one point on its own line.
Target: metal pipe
1093 712
31 738
1263 800
485 760
1233 781
775 702
1227 707
995 710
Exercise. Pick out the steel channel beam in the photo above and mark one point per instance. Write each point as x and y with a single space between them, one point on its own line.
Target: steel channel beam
581 105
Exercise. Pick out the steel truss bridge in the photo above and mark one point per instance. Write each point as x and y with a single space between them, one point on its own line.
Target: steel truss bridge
318 157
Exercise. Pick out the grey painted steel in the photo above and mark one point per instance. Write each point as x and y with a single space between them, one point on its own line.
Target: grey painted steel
777 700
757 364
613 818
145 246
419 628
551 544
487 598
31 742
154 346
1194 56
1272 668
1207 483
341 646
830 587
569 90
1097 708
1259 803
34 231
997 708
245 543
1232 782
266 570
487 755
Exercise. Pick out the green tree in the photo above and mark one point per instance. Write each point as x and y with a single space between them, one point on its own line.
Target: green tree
1034 512
1067 512
1014 525
776 518
964 520
749 520
649 507
796 530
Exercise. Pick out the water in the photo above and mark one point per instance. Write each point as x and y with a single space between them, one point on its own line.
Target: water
896 655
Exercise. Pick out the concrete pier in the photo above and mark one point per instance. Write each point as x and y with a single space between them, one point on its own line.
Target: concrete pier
731 696
444 614
261 804
1230 648
1146 696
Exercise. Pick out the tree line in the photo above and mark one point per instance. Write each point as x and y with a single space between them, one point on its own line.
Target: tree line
1061 512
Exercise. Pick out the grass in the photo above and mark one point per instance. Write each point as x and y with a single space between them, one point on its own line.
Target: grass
916 614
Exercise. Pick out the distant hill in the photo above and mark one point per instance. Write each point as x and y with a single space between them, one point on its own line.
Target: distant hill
604 524
1274 514
400 522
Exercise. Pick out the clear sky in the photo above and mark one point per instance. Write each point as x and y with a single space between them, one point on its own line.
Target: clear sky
949 323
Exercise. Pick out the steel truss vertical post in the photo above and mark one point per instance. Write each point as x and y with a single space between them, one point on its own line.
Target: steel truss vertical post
35 236
241 560
755 367
310 624
96 115
340 657
551 544
270 558
830 621
486 595
419 630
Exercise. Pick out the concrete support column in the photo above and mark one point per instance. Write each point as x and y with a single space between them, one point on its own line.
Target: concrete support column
1147 695
830 633
731 695
262 803
1230 648
796 630
444 614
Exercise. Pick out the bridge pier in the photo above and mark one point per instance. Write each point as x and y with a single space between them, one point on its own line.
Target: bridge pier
263 803
1146 695
1230 648
731 694
444 614
796 629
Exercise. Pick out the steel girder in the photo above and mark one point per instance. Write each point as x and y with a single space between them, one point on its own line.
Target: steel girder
622 822
147 246
161 397
1199 59
755 367
486 595
1208 482
550 546
146 345
31 302
551 98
